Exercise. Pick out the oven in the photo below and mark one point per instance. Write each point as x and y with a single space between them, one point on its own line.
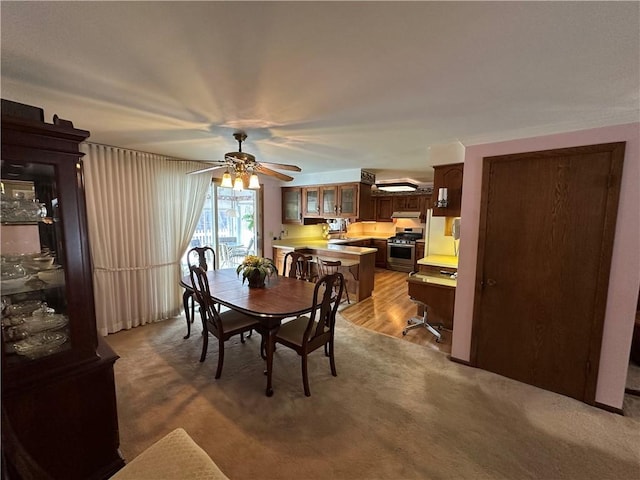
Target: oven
400 256
401 249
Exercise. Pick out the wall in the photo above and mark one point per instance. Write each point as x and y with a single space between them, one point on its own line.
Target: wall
625 269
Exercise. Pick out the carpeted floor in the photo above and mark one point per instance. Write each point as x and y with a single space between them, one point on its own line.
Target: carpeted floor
395 411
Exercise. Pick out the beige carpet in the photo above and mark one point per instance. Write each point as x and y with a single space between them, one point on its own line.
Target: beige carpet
395 411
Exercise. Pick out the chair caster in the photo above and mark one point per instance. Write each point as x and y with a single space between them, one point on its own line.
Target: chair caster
404 332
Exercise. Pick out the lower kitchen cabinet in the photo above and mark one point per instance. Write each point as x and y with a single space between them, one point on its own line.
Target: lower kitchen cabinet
419 255
381 254
439 299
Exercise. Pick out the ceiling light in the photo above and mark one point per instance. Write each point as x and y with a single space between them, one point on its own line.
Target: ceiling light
226 180
254 182
237 184
397 187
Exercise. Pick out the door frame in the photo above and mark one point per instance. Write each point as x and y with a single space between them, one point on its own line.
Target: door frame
616 150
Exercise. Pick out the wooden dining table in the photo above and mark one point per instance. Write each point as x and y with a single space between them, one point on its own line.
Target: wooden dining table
280 298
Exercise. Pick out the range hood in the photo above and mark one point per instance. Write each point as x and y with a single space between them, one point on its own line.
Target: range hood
405 215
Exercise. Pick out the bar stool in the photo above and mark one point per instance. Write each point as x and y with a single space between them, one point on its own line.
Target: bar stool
416 322
329 267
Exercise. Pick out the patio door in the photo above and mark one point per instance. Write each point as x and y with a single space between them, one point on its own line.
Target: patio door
236 225
230 224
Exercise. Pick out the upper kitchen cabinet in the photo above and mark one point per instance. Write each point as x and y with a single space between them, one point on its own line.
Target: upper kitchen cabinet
386 204
449 177
311 202
383 208
292 205
58 389
342 200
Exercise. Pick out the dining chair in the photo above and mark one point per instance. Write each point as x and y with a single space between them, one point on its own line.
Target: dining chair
202 257
297 265
329 267
308 333
222 325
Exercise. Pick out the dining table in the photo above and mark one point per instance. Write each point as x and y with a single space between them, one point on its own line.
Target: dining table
280 298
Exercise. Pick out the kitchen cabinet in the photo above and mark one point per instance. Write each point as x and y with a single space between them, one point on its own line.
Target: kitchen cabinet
408 203
58 388
439 298
420 247
383 208
311 202
449 177
359 243
381 255
292 205
340 200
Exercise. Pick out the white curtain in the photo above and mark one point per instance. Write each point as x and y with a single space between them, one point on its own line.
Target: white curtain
142 211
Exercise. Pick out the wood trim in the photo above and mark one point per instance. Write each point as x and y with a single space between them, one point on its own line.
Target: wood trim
460 361
608 408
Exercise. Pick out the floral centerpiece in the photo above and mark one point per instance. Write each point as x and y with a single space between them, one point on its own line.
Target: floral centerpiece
256 270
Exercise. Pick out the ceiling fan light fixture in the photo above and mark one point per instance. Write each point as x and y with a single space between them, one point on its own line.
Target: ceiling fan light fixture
397 187
237 184
254 181
226 180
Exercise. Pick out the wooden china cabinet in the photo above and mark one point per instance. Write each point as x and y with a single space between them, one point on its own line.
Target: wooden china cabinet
58 389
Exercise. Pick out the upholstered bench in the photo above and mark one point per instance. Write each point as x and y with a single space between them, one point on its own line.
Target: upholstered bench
175 456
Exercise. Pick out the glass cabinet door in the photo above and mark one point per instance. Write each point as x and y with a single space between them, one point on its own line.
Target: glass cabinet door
35 320
291 205
311 201
329 201
348 200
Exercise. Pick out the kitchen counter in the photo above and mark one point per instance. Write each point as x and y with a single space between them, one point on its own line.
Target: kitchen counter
446 261
442 280
324 245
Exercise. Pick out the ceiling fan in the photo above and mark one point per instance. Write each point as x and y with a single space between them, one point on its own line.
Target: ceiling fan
244 166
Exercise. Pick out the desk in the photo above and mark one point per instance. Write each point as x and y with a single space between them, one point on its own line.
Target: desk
282 297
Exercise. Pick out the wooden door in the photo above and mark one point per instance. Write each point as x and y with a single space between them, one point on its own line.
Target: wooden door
546 235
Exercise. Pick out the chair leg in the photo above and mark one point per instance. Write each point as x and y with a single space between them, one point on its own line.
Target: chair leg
332 359
205 344
305 376
220 358
185 303
241 337
249 334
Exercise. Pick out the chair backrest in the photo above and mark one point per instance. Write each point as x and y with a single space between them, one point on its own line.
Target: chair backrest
322 320
202 257
327 267
297 265
200 285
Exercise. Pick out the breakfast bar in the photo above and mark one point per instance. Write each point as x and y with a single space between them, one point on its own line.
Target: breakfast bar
358 263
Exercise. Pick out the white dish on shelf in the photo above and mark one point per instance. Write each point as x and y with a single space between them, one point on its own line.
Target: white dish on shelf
52 275
41 344
14 282
43 323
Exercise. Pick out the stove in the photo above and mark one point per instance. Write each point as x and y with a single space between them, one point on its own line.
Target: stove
401 249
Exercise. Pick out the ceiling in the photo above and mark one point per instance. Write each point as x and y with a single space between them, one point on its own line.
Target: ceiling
324 85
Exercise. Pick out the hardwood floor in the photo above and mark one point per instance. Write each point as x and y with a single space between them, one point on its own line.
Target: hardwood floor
388 310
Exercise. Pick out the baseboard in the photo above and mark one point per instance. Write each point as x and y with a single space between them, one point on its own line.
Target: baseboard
608 408
632 391
460 361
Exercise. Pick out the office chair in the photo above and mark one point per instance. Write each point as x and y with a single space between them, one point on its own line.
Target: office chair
417 322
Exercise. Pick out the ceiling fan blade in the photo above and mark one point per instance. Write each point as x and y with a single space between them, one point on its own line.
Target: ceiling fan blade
208 169
282 166
267 171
